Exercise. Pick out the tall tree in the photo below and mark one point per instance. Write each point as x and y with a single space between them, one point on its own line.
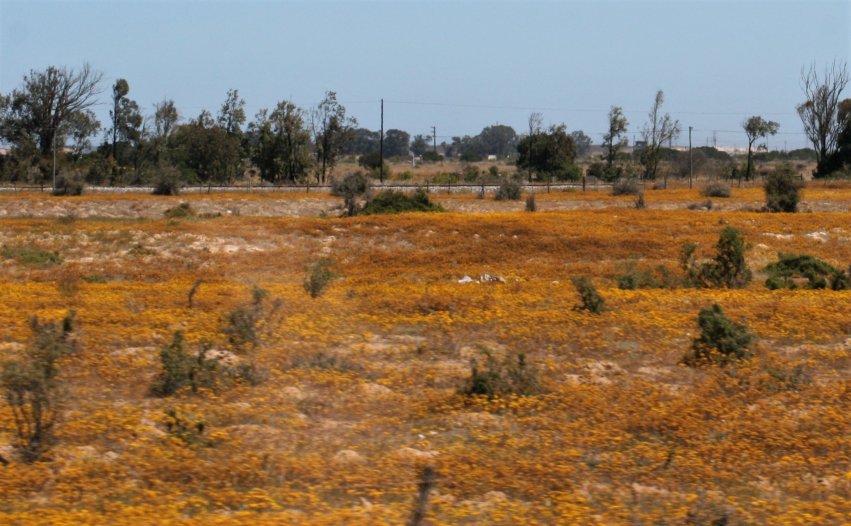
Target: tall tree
42 109
755 128
614 138
396 143
419 145
165 118
550 153
125 116
331 130
232 113
656 133
820 112
207 149
582 142
281 143
499 140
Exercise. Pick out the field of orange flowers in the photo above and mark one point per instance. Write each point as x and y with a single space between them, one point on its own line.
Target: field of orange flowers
360 385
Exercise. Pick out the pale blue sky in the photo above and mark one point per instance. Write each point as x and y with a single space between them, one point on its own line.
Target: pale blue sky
459 66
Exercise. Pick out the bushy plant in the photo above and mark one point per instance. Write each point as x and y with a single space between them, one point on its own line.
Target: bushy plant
720 340
32 389
782 190
396 202
789 267
167 181
589 298
181 211
727 269
639 201
509 190
181 368
717 189
350 188
510 376
531 205
841 280
244 329
31 256
188 429
320 275
626 186
69 183
634 277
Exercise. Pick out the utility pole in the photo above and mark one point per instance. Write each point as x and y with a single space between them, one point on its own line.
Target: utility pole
54 160
689 158
434 138
381 146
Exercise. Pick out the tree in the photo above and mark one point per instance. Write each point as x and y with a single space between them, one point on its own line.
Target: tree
125 116
657 132
207 149
396 143
165 118
42 110
550 153
820 113
614 139
419 145
536 122
232 113
281 143
756 127
362 141
499 140
582 142
331 130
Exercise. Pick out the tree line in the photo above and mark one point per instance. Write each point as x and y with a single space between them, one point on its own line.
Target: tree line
48 119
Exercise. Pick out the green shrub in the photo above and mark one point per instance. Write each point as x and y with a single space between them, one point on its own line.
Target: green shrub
431 157
509 190
531 205
396 202
720 340
789 267
321 274
350 188
495 378
471 173
633 277
181 211
727 269
167 181
841 280
181 368
32 389
782 190
31 256
69 183
590 299
717 189
626 186
186 428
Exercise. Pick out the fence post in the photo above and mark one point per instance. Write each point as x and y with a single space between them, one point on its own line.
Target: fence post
429 477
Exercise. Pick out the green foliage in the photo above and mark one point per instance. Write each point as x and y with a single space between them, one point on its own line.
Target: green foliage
372 162
782 190
31 256
494 378
841 280
396 202
633 277
181 211
589 298
509 190
69 183
626 186
727 269
188 429
320 275
167 181
181 368
32 389
783 273
721 340
431 156
471 173
549 154
717 189
350 188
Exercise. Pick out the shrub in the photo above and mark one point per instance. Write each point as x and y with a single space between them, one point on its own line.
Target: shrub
396 202
639 201
69 183
509 190
721 340
727 269
187 429
626 186
167 181
782 190
494 378
31 256
244 332
717 189
531 205
634 277
183 210
471 173
181 368
32 388
841 280
319 277
350 188
432 157
589 297
783 272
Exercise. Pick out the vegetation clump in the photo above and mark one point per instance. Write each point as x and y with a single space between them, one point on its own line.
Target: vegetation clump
626 186
721 340
728 269
32 388
350 188
717 189
634 277
167 181
31 256
182 368
396 202
509 190
791 269
782 190
69 183
188 430
320 275
531 205
181 211
494 378
589 298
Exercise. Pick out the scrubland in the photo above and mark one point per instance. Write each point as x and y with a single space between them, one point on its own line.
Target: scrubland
361 385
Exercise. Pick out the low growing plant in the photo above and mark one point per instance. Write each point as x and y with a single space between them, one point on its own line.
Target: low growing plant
509 190
782 190
590 299
320 275
721 340
396 202
791 268
494 378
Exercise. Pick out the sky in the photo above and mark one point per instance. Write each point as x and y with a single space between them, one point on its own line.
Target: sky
458 66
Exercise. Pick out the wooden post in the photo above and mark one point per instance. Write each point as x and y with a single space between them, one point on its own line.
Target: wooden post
429 478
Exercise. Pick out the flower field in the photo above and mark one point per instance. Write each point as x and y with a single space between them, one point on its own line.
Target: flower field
361 386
